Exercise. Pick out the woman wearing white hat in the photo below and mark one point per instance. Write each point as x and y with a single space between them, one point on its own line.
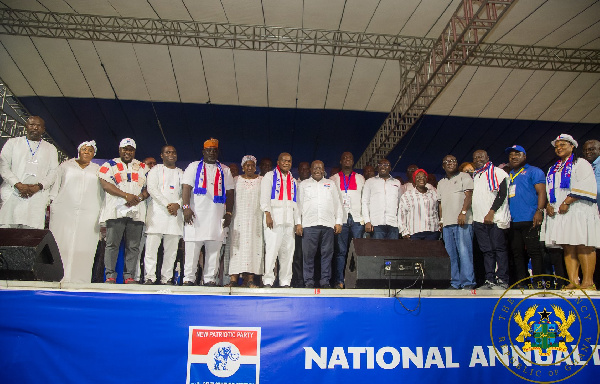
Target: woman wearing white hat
76 201
573 221
247 229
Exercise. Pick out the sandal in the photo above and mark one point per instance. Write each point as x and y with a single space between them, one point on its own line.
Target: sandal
230 284
589 288
252 285
569 287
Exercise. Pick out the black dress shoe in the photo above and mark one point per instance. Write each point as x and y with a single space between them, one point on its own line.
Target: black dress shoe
309 285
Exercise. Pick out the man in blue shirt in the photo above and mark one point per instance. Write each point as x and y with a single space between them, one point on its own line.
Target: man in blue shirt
526 201
591 152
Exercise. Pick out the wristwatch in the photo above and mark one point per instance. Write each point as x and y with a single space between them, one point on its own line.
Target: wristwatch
463 212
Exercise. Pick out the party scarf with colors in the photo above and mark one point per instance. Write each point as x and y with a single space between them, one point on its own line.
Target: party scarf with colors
490 174
565 177
200 184
278 188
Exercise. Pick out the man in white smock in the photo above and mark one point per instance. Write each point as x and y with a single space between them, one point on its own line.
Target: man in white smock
28 167
278 202
164 219
207 207
124 180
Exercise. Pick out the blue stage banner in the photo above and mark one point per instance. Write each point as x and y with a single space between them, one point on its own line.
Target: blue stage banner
94 337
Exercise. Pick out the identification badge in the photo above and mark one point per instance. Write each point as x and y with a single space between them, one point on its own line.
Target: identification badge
346 201
512 190
31 168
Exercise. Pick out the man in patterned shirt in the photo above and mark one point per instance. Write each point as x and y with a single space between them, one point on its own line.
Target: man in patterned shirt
124 181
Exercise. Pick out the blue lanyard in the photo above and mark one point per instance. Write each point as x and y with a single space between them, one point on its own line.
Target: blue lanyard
346 183
38 147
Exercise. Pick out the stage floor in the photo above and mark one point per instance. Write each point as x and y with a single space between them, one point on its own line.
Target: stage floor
277 292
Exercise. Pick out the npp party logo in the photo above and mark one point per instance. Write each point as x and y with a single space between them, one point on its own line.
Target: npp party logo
223 355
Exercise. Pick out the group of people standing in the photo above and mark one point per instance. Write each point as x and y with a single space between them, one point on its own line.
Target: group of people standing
276 226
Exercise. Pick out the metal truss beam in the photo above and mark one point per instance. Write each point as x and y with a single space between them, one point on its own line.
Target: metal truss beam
536 58
213 35
412 50
13 116
466 29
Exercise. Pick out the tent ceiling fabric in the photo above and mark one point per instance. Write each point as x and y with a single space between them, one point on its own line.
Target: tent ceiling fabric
59 68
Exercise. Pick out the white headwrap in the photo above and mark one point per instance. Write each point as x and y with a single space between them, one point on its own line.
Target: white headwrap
248 157
90 143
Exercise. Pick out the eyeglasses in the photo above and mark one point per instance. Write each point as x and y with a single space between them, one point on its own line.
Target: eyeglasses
451 161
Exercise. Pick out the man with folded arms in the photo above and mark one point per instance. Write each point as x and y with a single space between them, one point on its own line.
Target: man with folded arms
124 181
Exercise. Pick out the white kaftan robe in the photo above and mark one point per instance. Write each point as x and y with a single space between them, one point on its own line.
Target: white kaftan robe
207 223
28 162
164 186
247 228
76 201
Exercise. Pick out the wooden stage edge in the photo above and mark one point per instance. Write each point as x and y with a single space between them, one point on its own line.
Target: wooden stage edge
276 292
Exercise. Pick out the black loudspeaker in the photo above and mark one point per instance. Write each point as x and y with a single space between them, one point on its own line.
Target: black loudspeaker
29 254
376 263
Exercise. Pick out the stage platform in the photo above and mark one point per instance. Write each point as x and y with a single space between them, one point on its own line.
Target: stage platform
279 292
100 333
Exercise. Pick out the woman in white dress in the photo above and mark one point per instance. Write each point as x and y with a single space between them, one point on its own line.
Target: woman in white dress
572 220
76 201
246 228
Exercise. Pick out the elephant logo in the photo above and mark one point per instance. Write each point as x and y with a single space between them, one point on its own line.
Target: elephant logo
224 360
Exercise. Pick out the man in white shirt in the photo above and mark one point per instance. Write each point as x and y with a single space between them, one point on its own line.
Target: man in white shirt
320 216
491 219
164 219
278 191
380 200
124 181
207 196
28 169
349 186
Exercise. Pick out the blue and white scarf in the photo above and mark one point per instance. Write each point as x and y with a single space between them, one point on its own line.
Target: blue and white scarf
490 174
278 188
200 184
565 177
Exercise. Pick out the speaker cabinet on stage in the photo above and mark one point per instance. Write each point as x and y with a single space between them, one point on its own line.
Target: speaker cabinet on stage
374 263
29 254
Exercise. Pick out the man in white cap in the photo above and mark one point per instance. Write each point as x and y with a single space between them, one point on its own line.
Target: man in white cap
164 220
124 181
28 167
207 196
